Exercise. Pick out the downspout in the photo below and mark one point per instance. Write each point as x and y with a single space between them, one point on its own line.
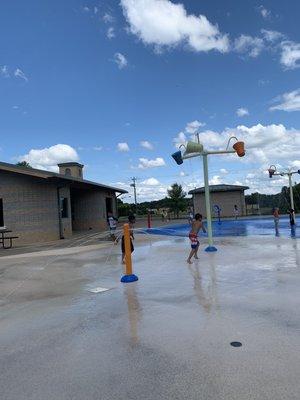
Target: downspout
61 234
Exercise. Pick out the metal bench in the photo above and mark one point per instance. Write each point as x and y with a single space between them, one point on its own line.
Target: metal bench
10 238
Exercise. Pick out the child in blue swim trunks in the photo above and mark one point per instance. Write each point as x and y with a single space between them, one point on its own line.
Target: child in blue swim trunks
193 236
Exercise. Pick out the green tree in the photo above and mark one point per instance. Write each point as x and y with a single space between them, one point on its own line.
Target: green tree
177 201
23 164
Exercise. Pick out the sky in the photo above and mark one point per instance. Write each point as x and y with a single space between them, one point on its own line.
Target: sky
119 85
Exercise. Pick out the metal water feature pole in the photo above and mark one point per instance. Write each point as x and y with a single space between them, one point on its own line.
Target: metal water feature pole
273 171
193 149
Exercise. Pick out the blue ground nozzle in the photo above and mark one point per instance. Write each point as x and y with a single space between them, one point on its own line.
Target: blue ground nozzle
129 278
211 249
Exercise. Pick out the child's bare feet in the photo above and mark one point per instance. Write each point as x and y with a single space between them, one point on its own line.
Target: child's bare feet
196 257
189 261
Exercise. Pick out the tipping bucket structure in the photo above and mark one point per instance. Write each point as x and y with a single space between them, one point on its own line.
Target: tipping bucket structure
193 147
178 157
239 147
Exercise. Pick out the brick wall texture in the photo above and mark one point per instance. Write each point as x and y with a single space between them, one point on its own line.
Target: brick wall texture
31 209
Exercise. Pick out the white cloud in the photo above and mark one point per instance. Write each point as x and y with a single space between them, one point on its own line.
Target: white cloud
181 173
223 171
4 71
290 54
123 147
180 139
264 12
20 74
120 60
272 36
98 148
151 182
86 9
145 163
215 180
163 23
249 45
146 145
288 102
193 126
49 157
110 32
108 18
241 112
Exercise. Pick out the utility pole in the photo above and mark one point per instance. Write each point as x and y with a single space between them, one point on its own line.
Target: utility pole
134 179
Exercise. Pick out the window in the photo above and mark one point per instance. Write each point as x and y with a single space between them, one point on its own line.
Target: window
1 213
67 171
64 209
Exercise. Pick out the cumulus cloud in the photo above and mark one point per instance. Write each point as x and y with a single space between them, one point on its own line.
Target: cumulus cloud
150 182
290 54
20 74
108 18
265 13
249 45
146 145
180 139
215 180
110 32
98 148
123 147
193 126
145 163
264 143
4 71
223 171
241 112
49 157
272 36
288 102
163 23
120 60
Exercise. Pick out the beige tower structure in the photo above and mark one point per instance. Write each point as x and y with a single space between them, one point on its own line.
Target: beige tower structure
71 169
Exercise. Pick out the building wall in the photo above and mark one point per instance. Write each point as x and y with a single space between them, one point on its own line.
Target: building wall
30 208
89 209
225 200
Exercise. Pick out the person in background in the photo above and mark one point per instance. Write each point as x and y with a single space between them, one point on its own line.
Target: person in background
292 217
112 223
131 221
235 211
276 220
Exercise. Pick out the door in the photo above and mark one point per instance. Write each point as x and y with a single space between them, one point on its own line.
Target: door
109 205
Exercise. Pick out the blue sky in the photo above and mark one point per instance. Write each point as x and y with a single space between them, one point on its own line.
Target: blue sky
99 78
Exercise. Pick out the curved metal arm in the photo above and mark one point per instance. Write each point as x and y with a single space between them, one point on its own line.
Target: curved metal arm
229 140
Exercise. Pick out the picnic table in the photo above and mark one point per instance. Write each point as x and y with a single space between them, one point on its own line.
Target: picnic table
4 238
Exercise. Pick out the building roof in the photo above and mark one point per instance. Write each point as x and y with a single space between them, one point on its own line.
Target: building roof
58 178
220 188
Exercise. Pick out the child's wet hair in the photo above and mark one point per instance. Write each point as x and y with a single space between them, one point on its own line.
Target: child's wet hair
198 216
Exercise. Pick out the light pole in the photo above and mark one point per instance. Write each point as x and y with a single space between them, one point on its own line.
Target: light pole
273 171
134 191
193 149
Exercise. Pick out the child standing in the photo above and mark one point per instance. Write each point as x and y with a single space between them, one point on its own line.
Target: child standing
193 236
131 221
112 223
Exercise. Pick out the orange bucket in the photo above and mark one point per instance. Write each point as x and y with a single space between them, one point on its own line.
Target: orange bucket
239 148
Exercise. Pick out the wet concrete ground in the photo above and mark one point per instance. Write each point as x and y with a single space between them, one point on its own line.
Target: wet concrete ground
166 336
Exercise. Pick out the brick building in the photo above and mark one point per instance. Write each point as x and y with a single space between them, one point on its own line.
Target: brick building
41 206
224 196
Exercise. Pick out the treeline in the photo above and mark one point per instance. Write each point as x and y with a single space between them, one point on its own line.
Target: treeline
281 200
175 202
